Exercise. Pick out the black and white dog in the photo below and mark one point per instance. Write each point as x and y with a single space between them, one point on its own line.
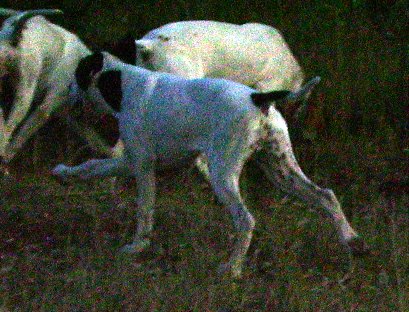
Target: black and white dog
166 120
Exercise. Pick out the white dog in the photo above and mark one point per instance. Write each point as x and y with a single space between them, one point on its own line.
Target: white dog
166 120
41 57
253 54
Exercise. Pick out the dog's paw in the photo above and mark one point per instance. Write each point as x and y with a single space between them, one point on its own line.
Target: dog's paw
59 170
135 247
59 173
230 270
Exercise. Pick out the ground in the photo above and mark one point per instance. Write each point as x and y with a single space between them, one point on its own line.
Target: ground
59 244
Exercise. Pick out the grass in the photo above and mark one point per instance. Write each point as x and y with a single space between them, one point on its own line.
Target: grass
59 247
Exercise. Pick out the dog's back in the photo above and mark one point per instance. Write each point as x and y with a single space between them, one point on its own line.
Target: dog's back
180 117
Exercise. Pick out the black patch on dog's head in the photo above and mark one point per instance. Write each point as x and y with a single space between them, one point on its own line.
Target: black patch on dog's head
110 86
124 49
87 68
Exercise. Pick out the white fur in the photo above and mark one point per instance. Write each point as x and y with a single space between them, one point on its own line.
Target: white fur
45 60
252 54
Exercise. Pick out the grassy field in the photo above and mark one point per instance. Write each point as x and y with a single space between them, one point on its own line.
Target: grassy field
59 245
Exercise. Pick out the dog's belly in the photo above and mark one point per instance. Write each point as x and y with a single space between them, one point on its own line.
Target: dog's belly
171 162
174 158
176 150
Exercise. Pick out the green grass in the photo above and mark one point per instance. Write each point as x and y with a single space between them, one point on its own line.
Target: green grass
59 247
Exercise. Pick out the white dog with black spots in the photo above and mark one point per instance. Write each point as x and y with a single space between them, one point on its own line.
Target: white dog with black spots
166 120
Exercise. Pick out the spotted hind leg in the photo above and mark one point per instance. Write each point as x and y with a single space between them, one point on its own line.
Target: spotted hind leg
281 168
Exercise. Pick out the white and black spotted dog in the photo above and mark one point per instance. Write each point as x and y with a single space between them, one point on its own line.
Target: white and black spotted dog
166 120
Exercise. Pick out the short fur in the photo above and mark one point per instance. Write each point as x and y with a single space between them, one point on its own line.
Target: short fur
262 100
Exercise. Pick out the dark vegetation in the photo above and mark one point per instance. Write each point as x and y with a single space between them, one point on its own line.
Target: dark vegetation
58 245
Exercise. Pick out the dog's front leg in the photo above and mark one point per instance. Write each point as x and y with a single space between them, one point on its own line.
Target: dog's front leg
203 167
146 186
92 169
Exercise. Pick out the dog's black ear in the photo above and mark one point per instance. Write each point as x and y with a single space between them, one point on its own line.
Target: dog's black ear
110 86
87 68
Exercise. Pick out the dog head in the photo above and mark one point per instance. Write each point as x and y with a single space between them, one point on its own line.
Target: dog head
97 84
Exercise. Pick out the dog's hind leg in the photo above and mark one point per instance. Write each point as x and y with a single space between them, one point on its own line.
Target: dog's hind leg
225 165
143 171
280 166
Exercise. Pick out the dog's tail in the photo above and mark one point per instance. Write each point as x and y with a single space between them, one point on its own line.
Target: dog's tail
265 100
